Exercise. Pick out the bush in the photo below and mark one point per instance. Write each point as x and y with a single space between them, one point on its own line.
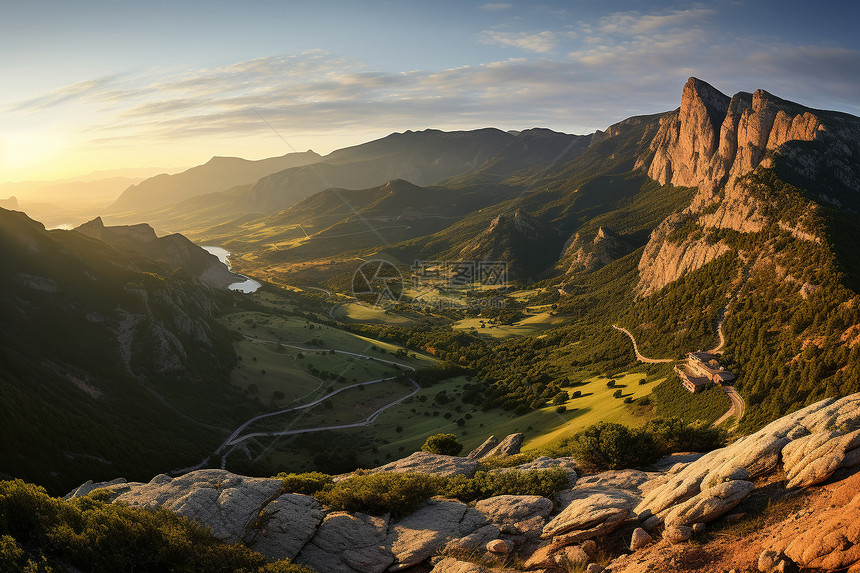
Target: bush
673 435
307 483
560 409
89 534
617 393
442 444
611 446
381 493
545 483
560 398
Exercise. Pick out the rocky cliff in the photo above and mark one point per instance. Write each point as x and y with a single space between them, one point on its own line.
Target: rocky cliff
714 142
582 254
625 520
175 250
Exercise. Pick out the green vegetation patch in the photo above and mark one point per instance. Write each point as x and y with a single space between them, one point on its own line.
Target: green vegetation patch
39 533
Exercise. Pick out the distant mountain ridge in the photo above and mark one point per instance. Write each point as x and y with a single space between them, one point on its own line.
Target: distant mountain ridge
218 174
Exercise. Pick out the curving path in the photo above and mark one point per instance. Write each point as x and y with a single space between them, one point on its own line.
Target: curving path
736 409
639 356
366 422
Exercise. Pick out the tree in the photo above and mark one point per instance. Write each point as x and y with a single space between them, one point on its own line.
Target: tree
442 444
560 398
617 393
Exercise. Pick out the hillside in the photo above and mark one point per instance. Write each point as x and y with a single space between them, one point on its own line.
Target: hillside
180 254
109 359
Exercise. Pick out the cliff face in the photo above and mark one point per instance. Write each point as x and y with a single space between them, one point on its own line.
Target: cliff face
712 142
580 254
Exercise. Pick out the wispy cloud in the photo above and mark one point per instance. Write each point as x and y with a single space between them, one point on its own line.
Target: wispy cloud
496 7
79 90
579 78
539 42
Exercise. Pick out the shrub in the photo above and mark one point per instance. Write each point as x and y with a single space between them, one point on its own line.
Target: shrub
381 493
617 393
674 435
442 444
560 409
607 445
560 398
485 484
89 534
307 483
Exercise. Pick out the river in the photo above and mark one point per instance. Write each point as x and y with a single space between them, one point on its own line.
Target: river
248 285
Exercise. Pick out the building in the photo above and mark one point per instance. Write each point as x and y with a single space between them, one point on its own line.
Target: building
701 368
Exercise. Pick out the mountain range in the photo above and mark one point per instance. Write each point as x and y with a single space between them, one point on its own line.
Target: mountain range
732 212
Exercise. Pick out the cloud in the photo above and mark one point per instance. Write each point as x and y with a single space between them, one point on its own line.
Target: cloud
496 7
79 90
606 74
539 42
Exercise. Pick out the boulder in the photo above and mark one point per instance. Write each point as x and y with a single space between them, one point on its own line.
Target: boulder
419 535
285 526
593 568
640 539
627 480
543 558
677 533
433 464
451 565
483 449
828 539
814 458
476 540
225 502
518 514
346 543
500 546
571 555
709 504
589 513
510 446
117 485
767 561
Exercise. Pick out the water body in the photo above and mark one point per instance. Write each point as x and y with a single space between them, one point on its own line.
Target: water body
247 285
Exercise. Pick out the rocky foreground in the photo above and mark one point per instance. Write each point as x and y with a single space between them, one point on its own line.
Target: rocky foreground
626 521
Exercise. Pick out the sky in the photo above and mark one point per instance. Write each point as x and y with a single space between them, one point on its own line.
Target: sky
92 85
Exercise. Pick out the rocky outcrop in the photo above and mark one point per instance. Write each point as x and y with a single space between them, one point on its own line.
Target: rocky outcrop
482 450
225 502
517 514
709 504
713 136
712 142
829 539
346 543
581 254
420 534
813 444
284 526
433 464
510 446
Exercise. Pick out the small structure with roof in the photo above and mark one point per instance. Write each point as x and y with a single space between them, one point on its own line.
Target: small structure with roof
700 368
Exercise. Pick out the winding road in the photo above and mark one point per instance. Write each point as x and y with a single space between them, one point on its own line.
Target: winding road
639 356
737 408
738 405
366 422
